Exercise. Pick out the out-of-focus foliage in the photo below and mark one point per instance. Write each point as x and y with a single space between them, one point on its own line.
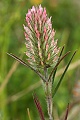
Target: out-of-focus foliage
66 22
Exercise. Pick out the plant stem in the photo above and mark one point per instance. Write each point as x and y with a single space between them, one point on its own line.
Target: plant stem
48 93
49 100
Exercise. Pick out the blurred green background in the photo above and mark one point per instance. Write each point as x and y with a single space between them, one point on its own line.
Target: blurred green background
17 83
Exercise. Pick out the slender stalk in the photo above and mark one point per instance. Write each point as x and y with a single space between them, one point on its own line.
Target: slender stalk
48 93
49 100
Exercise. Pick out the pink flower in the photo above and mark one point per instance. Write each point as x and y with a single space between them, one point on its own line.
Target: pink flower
41 47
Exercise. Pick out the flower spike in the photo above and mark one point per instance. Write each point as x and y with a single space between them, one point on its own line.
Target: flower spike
42 50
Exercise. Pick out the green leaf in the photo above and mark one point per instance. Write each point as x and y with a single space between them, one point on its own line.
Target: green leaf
55 90
27 65
57 62
57 65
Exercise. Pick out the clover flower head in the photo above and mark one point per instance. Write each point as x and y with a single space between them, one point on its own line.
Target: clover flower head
42 50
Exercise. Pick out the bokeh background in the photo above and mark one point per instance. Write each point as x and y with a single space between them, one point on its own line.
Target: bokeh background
17 83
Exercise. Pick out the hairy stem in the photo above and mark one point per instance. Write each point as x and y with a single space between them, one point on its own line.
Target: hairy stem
48 93
49 100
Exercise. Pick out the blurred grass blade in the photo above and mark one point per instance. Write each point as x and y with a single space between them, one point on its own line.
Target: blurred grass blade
38 105
26 64
56 67
28 113
55 90
66 116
